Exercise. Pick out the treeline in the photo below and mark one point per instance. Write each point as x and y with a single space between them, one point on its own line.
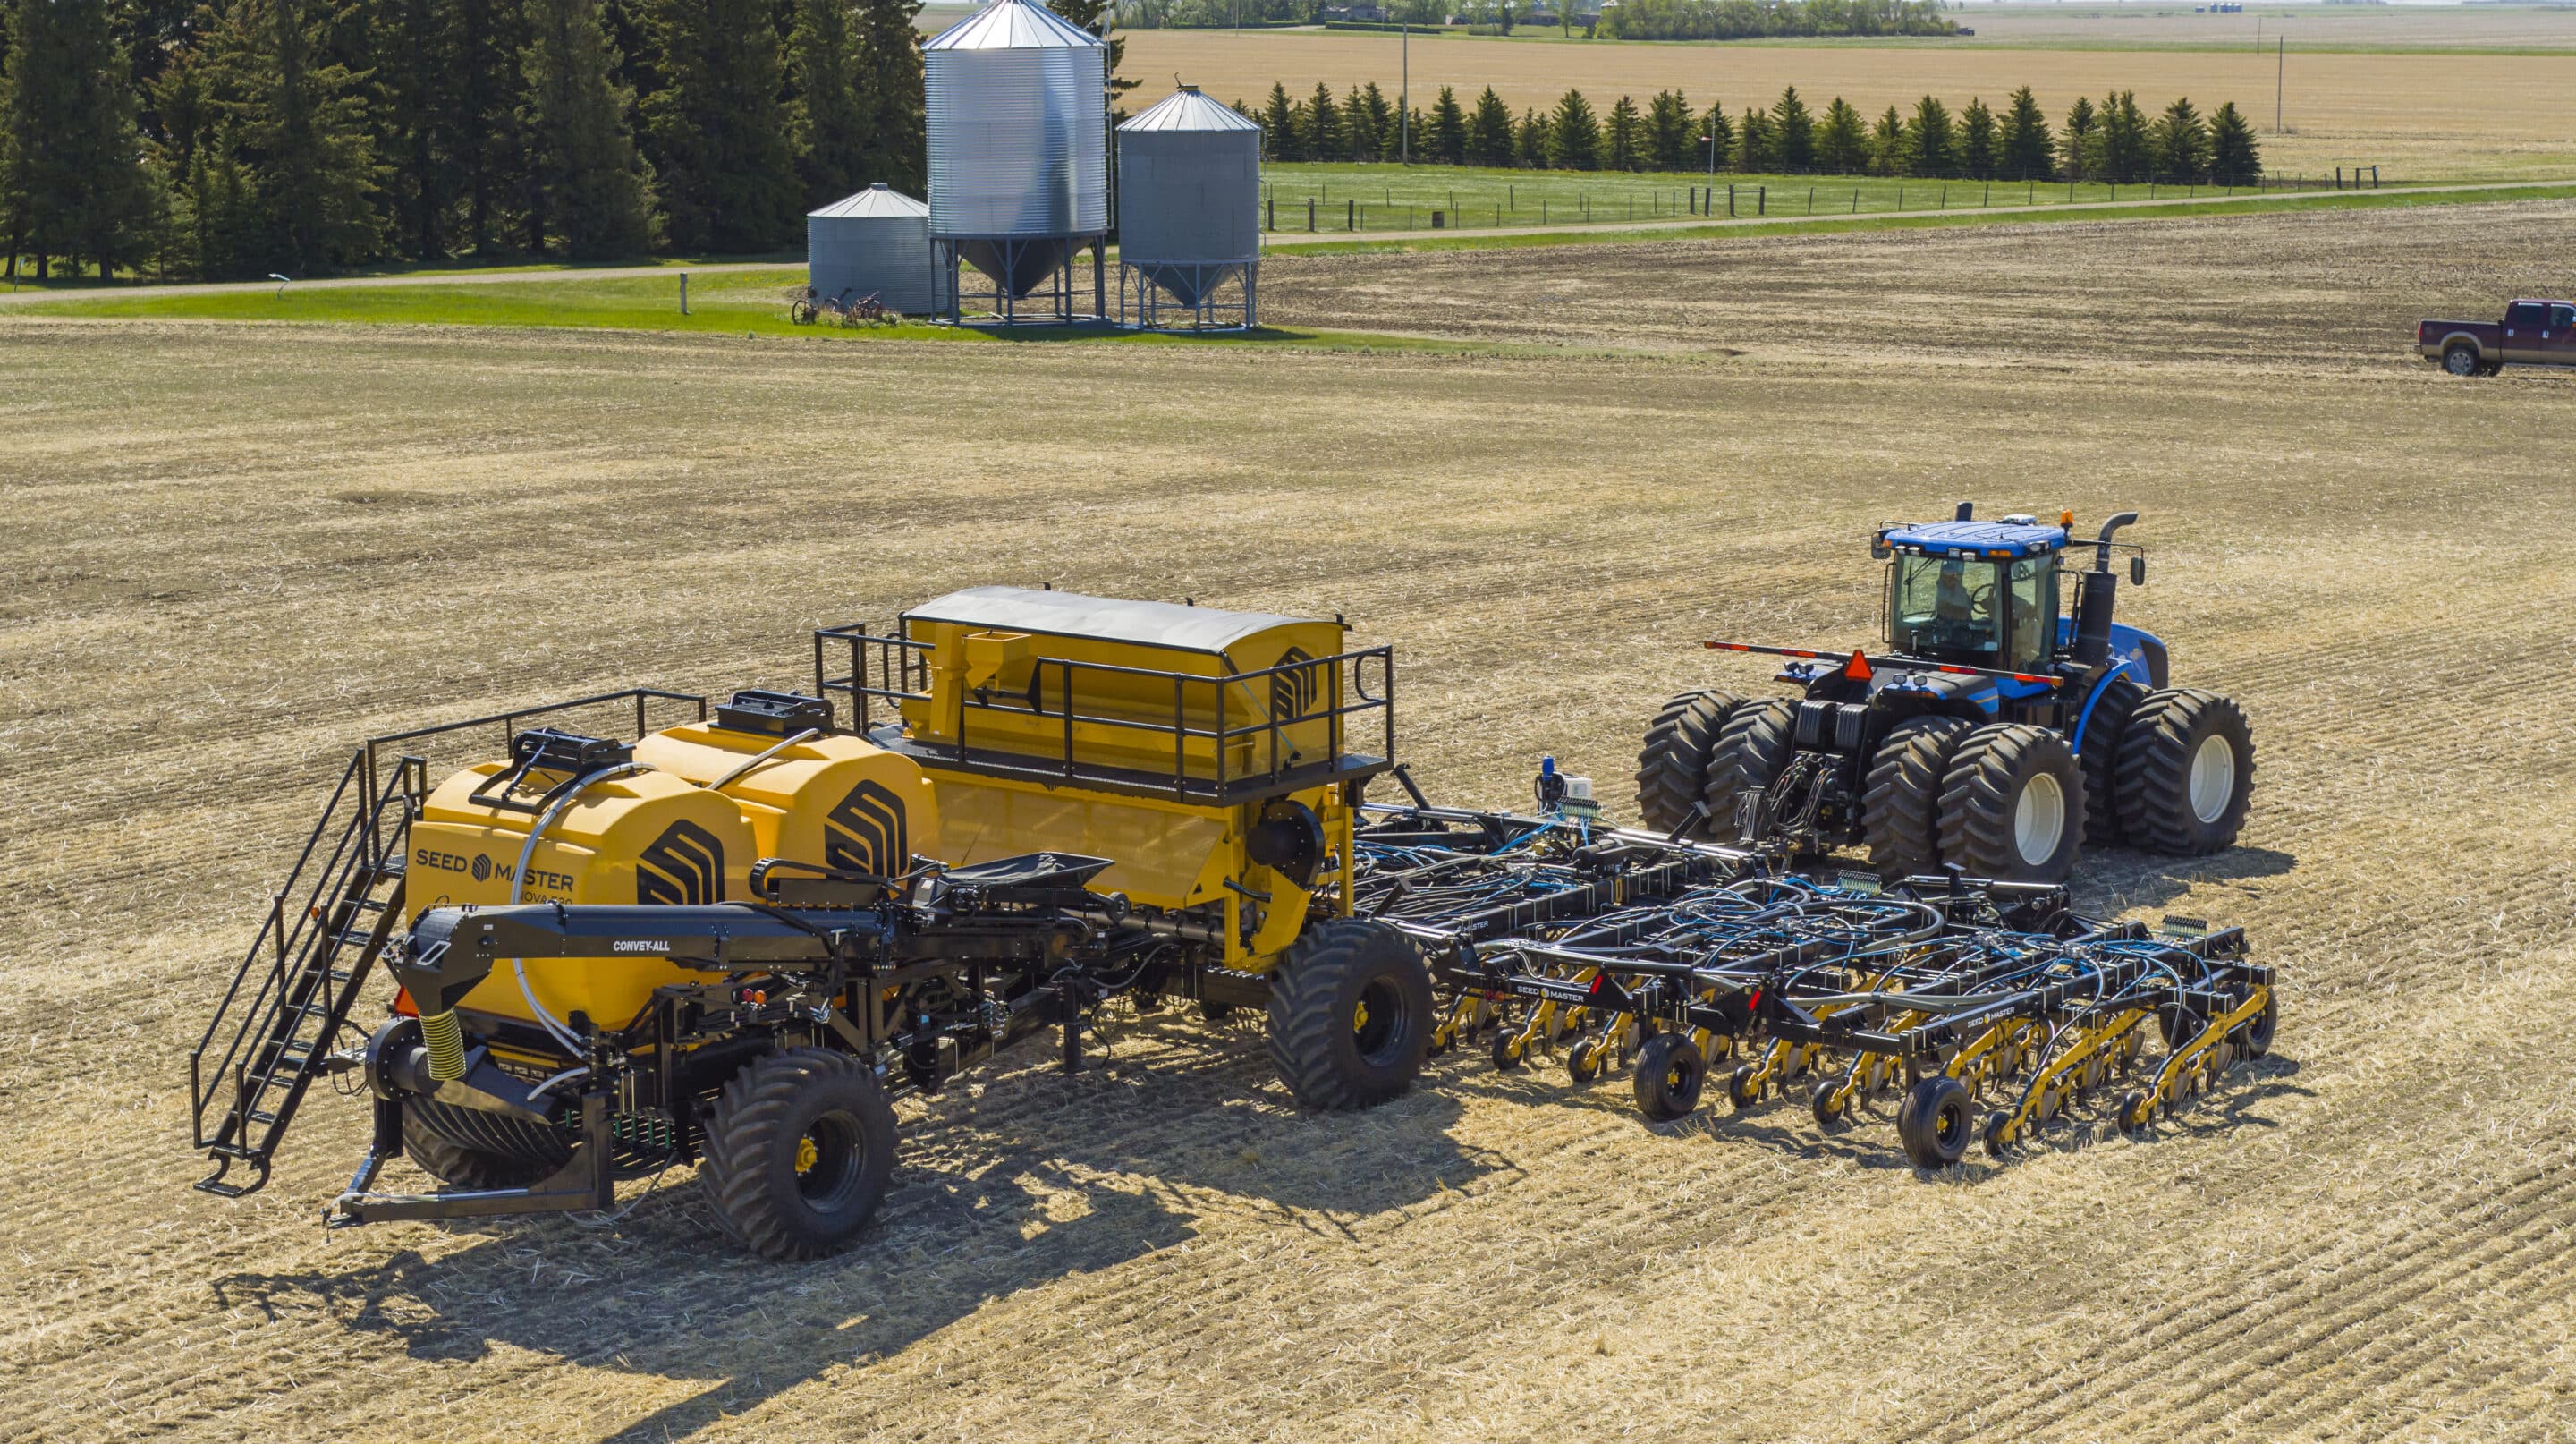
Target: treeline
241 137
1628 20
2111 140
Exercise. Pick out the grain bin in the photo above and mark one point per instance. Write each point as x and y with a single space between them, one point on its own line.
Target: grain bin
1018 116
1189 209
875 243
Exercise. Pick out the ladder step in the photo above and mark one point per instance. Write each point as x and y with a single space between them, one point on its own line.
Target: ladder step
262 1115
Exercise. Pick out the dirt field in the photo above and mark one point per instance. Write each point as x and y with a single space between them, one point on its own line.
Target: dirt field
237 549
2419 116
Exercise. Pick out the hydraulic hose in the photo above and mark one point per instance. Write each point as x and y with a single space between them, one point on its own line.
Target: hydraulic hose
519 880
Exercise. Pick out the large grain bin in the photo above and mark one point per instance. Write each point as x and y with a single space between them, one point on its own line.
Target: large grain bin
1017 109
875 243
1189 201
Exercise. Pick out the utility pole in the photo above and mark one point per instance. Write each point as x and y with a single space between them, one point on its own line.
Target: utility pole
2280 80
1404 100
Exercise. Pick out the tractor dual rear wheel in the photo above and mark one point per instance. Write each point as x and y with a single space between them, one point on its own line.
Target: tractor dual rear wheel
1752 750
2099 756
1901 806
799 1147
1672 768
2012 805
1351 1014
2186 772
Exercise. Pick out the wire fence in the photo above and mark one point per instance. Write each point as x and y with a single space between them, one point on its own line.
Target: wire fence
1419 201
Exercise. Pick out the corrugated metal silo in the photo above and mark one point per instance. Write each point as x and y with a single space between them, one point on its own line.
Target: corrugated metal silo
874 243
1018 141
1189 199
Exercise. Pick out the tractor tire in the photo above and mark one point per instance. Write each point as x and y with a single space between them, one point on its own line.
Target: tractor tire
2186 773
2012 805
2101 760
1751 750
1900 807
1673 766
1935 1121
800 1144
470 1149
1350 1014
2462 361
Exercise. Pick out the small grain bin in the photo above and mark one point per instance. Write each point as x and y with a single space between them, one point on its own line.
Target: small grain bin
875 243
1189 212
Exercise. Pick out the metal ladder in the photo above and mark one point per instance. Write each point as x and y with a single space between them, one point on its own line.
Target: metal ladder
274 1031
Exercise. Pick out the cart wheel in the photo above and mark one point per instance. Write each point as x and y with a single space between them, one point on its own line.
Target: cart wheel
1996 1122
1668 1077
799 1146
1744 1087
1507 1049
1828 1110
1933 1122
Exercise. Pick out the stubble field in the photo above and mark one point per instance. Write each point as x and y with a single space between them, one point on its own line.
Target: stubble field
236 549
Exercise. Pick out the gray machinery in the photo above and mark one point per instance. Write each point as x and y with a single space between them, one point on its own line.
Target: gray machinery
1018 111
1189 214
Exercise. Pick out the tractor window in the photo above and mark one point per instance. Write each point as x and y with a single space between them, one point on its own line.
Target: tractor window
2034 610
1946 608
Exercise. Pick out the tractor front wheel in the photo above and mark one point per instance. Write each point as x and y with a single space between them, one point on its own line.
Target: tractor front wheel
1350 1014
799 1147
2186 772
2012 805
1673 766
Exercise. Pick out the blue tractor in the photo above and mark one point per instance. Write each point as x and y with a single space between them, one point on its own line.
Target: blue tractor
1999 733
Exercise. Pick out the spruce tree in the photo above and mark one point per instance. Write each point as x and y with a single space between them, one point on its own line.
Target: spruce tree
586 189
1374 125
1753 143
1490 131
2180 143
2233 156
889 85
483 45
72 182
1935 151
408 60
1714 146
1448 135
1891 149
1574 134
1531 138
828 116
1842 142
716 132
2120 146
1623 137
1321 125
1793 132
2026 149
1279 124
1669 136
299 120
2075 141
1977 141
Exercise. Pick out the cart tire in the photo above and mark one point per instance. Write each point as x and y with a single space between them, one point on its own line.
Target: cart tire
2186 773
1673 766
800 1144
2012 805
1351 1014
1668 1077
470 1149
1934 1121
1901 805
1751 750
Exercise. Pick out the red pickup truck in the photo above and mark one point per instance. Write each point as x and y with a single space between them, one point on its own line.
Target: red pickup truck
2533 333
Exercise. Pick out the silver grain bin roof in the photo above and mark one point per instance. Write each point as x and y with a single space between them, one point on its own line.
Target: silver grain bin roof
1019 126
875 243
1189 193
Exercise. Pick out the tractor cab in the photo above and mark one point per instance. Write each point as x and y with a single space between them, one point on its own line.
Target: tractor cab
1973 593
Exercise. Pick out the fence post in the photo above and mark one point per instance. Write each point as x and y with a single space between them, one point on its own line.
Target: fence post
1350 215
1762 200
1730 199
1274 213
1855 210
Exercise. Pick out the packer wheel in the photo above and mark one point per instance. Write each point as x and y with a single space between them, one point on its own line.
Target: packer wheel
1583 1061
1744 1087
1821 1101
1996 1123
2137 1119
2255 1038
1507 1049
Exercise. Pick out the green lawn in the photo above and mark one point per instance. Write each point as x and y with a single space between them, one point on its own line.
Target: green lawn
1366 198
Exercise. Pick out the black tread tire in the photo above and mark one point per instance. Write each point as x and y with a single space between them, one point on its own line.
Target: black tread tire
1315 992
2462 361
1936 1120
2100 759
2256 1036
1900 806
752 1136
1983 788
1668 1077
1751 750
470 1149
2154 772
1672 768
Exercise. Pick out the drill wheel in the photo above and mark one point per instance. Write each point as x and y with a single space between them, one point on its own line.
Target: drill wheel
1996 1123
1934 1121
1668 1077
1826 1105
1507 1049
1744 1086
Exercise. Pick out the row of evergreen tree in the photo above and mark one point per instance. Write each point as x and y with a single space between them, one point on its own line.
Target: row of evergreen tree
2113 140
240 137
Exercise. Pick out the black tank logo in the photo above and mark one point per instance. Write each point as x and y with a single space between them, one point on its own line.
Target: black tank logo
685 865
865 833
1292 692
